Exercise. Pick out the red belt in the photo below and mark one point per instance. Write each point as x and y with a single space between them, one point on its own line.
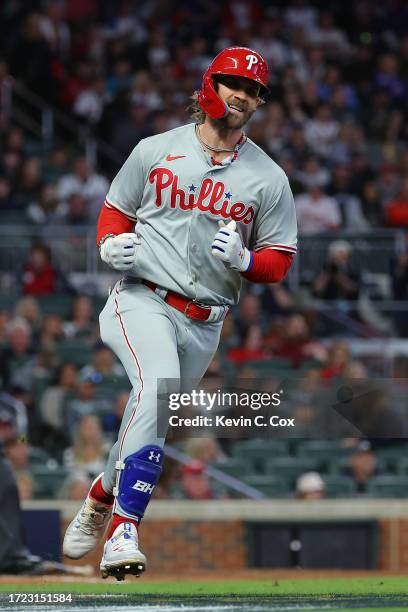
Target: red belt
188 307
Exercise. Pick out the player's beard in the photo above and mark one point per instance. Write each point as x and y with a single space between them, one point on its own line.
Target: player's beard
234 121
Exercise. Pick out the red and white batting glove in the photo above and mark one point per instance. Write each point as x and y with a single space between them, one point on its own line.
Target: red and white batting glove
227 246
119 252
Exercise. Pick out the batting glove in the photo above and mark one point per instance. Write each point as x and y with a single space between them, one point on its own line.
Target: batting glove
119 252
227 246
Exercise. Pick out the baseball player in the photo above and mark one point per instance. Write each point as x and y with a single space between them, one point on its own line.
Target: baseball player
190 212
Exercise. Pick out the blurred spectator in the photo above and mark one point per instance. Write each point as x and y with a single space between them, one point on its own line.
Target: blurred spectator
13 418
399 276
75 487
4 321
338 358
90 102
205 449
85 181
52 401
362 466
349 204
83 402
338 279
51 332
396 214
30 57
277 300
76 211
25 485
16 450
251 347
316 211
321 131
310 486
250 312
387 76
300 14
195 482
312 173
29 182
39 276
17 355
27 308
104 366
294 341
372 206
89 450
7 201
81 324
56 165
388 183
47 209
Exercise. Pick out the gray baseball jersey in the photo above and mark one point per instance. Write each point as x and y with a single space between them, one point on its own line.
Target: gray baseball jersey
176 196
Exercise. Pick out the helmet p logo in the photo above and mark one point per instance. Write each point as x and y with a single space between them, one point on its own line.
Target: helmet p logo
252 59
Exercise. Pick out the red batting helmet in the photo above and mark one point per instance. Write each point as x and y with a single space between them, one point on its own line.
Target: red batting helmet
234 61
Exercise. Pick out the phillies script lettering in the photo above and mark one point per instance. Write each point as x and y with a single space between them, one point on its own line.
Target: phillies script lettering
210 197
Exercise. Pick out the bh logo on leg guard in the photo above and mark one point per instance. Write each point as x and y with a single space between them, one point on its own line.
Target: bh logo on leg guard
139 475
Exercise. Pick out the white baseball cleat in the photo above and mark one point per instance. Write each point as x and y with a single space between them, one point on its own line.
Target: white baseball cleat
121 554
86 530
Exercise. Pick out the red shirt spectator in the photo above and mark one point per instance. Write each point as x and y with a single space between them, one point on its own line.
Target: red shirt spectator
39 277
396 214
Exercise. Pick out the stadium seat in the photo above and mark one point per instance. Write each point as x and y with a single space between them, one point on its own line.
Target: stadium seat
339 486
290 468
257 452
75 351
326 452
233 467
270 486
279 368
338 464
401 466
394 457
56 304
47 481
388 486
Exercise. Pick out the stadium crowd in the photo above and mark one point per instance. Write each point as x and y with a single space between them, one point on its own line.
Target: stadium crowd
336 121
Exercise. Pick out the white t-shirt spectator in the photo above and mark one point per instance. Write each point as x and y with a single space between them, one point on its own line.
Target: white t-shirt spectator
93 189
316 215
320 134
301 17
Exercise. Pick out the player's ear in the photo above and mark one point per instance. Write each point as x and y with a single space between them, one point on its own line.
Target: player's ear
259 102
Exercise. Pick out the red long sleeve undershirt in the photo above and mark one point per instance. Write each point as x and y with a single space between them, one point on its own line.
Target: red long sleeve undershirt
268 265
113 221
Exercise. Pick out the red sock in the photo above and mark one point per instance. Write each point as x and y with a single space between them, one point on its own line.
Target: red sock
117 520
98 493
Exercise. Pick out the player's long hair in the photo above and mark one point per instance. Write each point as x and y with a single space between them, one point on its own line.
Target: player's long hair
195 109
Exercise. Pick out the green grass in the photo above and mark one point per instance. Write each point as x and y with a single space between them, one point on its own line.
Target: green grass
323 588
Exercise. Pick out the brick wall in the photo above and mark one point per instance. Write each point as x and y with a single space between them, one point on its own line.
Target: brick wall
182 535
179 545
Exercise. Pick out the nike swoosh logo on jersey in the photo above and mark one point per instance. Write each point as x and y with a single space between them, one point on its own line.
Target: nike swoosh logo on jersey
172 157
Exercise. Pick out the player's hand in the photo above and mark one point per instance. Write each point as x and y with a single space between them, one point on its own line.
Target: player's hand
227 246
119 252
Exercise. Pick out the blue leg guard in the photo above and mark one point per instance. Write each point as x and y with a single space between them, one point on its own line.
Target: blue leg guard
139 475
